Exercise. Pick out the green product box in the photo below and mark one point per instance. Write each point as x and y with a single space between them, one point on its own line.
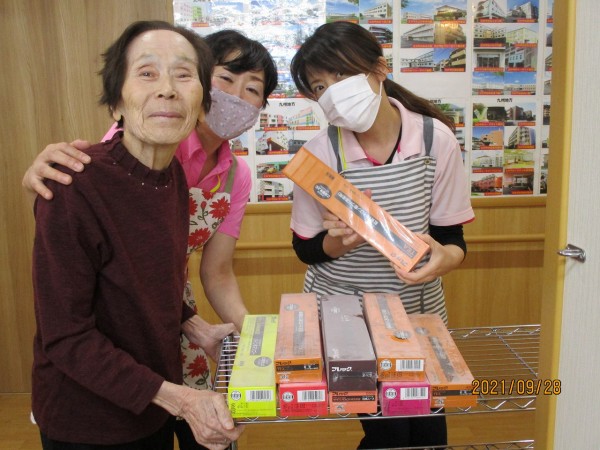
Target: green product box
251 391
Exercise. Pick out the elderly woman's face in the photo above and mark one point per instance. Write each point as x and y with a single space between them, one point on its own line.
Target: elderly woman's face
162 94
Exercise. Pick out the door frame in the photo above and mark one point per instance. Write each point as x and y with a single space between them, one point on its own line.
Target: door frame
563 56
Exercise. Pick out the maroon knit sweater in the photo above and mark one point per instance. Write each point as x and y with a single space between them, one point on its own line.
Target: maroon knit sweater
108 271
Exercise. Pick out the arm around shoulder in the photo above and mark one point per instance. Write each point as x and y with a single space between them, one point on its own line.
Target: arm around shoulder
63 154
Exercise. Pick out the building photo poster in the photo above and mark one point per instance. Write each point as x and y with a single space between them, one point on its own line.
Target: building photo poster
486 63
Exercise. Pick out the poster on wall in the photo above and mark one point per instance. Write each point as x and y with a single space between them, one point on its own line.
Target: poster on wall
376 16
486 63
504 144
432 39
281 131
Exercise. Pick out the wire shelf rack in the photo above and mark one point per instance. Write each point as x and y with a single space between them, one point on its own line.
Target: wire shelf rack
507 445
503 360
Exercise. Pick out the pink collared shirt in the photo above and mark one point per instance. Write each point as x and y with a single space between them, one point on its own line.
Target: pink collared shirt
450 203
192 157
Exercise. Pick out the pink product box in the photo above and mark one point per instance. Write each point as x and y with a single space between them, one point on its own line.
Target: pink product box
309 398
404 398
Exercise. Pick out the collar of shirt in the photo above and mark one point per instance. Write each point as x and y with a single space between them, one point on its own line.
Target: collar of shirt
192 156
411 142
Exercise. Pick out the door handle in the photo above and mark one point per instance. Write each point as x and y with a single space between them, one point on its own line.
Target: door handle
570 251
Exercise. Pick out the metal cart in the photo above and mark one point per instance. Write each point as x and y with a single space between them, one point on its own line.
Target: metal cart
503 361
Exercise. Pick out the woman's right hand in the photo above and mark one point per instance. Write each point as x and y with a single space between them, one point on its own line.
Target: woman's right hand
338 229
204 410
68 155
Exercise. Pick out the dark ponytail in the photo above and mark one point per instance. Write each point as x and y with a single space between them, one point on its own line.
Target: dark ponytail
349 49
417 104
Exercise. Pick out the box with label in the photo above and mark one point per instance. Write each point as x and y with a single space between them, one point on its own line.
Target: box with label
404 398
395 241
447 372
349 357
251 390
357 402
298 353
399 354
304 399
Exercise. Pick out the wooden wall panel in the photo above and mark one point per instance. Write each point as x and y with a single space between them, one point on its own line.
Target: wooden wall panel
48 91
499 283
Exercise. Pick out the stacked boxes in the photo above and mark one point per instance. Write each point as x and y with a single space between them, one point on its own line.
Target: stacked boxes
298 354
448 374
399 354
303 398
251 389
359 212
302 386
370 354
403 386
349 357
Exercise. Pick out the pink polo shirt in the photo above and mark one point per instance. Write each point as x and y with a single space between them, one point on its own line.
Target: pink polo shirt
192 157
450 203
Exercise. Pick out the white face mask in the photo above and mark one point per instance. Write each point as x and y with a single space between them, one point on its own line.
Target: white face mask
351 103
230 116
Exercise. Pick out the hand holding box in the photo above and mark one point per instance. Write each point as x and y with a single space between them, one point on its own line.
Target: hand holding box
396 242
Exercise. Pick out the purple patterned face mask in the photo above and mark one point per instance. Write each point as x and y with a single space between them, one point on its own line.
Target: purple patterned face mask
230 116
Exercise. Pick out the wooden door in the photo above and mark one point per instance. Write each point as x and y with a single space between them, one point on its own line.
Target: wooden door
570 352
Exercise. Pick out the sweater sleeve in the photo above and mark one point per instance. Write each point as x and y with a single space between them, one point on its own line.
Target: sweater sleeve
186 312
69 252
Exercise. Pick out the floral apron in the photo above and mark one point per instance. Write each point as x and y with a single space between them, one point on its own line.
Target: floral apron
207 210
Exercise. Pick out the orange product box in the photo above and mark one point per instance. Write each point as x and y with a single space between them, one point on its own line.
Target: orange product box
343 402
359 212
447 372
399 354
304 398
298 351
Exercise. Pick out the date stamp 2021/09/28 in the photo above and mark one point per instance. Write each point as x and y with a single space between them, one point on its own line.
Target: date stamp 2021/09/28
511 387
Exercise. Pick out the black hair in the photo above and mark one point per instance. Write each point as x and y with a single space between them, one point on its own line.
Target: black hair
113 72
348 48
249 55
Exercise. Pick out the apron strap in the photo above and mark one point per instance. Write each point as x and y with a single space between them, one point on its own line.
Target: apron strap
332 132
427 133
231 175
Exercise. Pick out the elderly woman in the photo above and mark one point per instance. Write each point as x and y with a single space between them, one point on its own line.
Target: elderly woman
107 370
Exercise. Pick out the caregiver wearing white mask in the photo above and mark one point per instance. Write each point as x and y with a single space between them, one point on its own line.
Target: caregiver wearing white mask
401 150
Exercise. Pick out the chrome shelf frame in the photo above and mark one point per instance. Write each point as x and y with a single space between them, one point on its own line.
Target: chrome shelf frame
507 356
507 445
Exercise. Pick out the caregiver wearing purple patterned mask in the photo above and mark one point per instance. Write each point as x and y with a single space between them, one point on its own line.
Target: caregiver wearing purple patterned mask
218 182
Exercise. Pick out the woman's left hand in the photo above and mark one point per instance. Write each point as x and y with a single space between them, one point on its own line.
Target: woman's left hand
206 335
443 259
